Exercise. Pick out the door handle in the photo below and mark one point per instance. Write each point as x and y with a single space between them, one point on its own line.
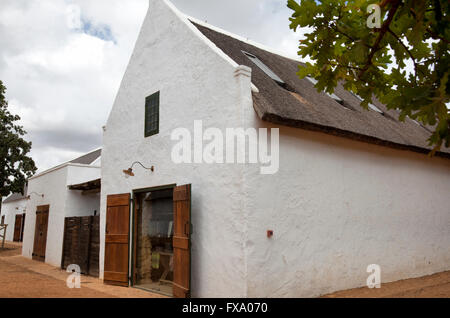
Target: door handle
186 229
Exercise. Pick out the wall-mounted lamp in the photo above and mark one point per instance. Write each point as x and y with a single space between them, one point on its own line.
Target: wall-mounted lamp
29 196
129 171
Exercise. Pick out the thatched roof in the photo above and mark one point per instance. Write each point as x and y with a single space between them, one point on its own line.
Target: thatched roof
16 196
309 109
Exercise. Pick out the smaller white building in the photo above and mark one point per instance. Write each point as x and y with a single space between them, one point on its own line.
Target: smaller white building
14 205
50 201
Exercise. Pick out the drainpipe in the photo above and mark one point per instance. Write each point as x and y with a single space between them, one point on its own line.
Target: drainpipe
243 75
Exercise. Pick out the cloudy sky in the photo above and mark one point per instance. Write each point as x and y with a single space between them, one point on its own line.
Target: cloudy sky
62 60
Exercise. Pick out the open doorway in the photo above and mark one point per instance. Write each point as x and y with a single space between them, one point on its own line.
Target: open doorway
159 237
154 228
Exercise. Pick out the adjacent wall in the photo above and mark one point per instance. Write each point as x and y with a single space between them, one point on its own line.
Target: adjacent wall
337 206
78 204
9 210
196 83
53 186
63 203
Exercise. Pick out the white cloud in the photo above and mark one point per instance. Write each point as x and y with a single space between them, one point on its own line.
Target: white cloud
62 71
61 81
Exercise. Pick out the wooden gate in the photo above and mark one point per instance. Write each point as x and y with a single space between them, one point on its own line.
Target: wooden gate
40 233
82 244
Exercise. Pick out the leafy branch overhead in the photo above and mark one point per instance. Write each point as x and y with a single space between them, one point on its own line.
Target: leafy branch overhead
15 164
403 61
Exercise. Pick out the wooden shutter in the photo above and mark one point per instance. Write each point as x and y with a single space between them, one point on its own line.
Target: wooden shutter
116 239
40 233
181 241
17 228
37 226
44 233
22 227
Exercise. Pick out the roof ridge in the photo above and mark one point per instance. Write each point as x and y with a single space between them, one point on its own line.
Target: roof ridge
318 112
84 155
243 39
73 161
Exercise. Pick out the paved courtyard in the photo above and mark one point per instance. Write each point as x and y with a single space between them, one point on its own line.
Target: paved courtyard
25 278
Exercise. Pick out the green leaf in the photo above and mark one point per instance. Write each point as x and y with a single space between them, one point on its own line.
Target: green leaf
341 43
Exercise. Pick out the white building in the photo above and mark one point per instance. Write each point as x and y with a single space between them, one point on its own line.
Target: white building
354 187
51 201
13 211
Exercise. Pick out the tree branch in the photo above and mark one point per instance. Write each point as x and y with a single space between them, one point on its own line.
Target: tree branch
438 18
338 30
344 66
436 36
383 30
407 51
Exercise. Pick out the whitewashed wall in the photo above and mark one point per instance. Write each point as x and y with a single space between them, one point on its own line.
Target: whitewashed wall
337 206
195 83
82 173
63 203
9 210
53 186
78 204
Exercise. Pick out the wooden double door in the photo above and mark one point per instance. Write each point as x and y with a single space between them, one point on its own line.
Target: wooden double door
82 243
19 226
118 239
40 233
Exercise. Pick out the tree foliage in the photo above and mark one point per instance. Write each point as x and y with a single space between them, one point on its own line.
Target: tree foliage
412 35
15 166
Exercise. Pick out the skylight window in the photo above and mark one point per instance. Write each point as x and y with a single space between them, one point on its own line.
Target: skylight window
264 68
333 95
371 106
375 108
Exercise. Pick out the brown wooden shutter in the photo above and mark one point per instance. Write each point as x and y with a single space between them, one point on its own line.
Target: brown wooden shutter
116 240
40 233
181 241
17 228
23 227
44 233
37 226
